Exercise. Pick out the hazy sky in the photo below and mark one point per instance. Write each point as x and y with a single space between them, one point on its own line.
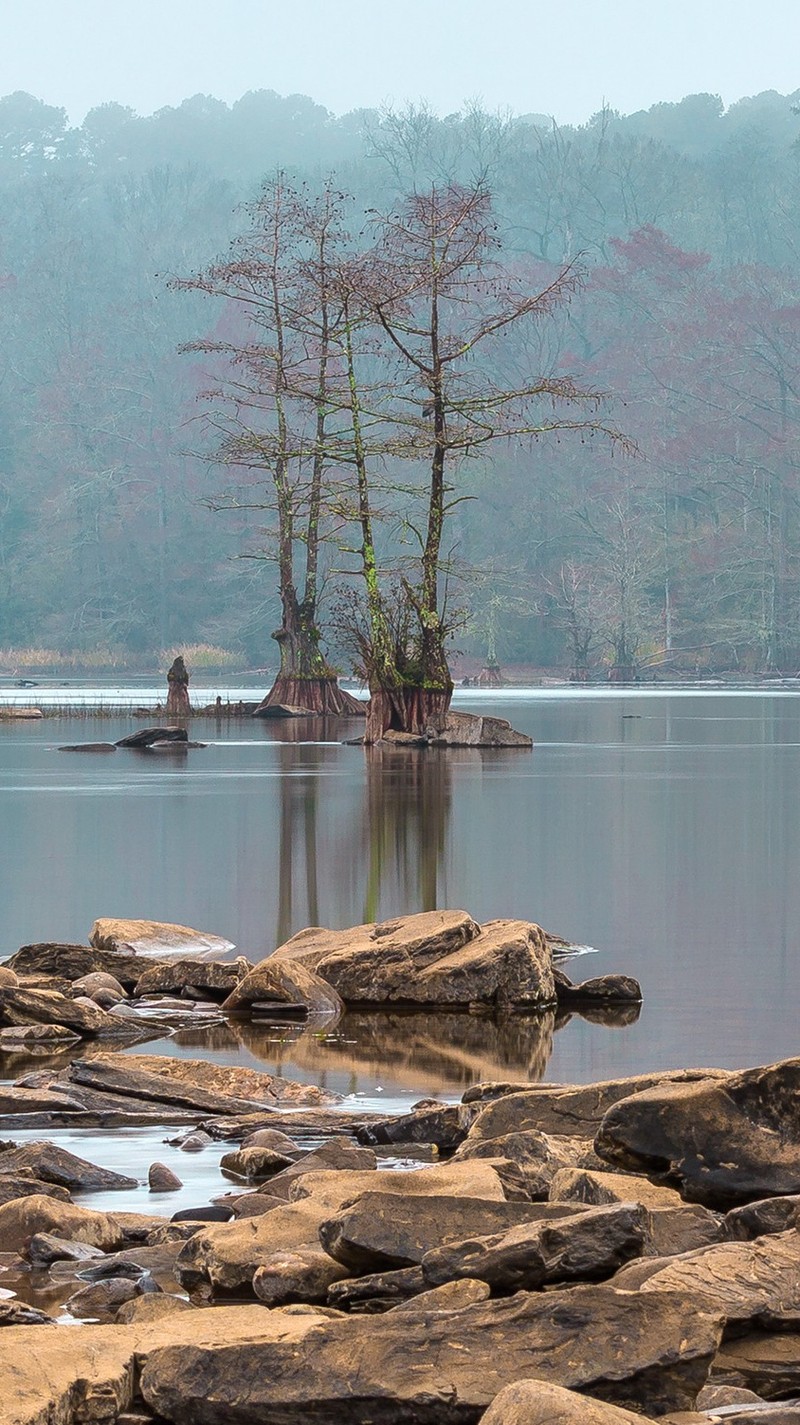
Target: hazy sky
528 55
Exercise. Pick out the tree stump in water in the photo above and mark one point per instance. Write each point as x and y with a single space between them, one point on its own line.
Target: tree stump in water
178 704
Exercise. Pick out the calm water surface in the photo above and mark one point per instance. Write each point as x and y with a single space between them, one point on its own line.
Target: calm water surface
662 829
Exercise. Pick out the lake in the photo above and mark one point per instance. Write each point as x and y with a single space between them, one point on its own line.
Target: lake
660 828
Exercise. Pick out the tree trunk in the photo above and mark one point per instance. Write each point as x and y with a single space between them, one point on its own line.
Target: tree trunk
406 709
178 690
319 695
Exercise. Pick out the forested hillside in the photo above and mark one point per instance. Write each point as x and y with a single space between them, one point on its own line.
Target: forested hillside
679 552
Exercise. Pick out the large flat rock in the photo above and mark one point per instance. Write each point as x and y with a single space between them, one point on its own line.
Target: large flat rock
444 1367
572 1109
88 1374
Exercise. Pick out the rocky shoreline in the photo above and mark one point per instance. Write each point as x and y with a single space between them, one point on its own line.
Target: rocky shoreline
600 1252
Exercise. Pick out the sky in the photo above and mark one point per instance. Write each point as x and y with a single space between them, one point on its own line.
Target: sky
529 56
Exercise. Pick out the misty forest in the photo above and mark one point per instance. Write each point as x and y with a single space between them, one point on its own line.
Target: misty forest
399 389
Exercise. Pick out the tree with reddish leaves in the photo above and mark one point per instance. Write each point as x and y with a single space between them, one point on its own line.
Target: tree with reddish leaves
435 287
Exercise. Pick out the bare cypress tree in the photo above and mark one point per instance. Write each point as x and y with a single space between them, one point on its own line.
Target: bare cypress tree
268 410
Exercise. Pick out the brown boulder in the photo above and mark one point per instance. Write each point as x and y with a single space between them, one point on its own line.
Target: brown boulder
723 1142
409 1366
299 1274
283 983
75 962
191 1083
765 1362
534 1402
152 1307
213 975
53 1164
599 1188
590 1246
576 1110
21 1219
20 1006
379 1233
7 978
421 938
749 1283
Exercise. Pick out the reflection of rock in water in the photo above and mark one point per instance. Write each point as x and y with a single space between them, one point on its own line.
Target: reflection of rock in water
438 1052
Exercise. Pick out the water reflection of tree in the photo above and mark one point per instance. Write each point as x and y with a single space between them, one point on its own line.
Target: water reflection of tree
404 834
298 877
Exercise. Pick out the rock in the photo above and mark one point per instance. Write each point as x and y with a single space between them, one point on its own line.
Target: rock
16 1313
468 730
337 1155
378 1291
252 1204
378 1233
598 1188
191 1083
446 1125
283 983
24 1184
508 964
44 1248
37 1038
765 1362
174 976
718 1395
301 1274
10 713
19 1006
285 710
769 1214
749 1283
575 1110
587 1247
52 1164
254 1164
423 938
202 1214
89 1375
194 1143
75 962
150 1308
533 1402
605 989
271 1138
160 1178
724 1142
451 1296
226 1256
28 1215
87 747
97 980
102 1300
412 1366
671 1231
158 938
7 977
146 736
541 1157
